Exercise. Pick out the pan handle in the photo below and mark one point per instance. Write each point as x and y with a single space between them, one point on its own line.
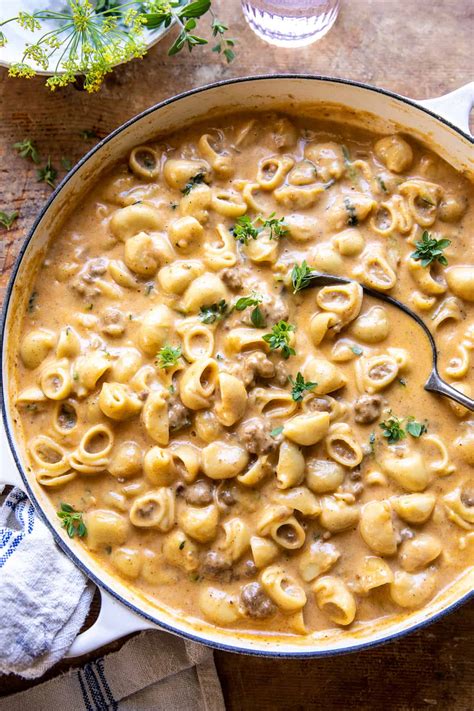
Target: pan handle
114 621
9 473
455 106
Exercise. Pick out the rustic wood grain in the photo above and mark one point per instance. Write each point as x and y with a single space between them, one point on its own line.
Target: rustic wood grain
414 48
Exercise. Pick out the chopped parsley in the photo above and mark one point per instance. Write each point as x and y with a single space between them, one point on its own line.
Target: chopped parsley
257 317
351 171
245 228
167 356
300 386
72 521
301 276
381 182
352 219
181 545
280 338
7 219
429 250
214 312
195 180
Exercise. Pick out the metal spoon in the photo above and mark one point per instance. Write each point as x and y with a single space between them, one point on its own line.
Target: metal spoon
435 382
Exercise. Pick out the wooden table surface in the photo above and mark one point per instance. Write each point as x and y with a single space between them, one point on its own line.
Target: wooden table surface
415 48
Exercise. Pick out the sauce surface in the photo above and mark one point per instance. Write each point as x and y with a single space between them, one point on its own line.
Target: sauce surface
235 446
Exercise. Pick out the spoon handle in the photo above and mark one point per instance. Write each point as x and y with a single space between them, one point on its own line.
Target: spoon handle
436 384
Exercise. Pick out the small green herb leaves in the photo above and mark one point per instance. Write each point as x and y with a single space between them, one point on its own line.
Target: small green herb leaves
27 149
300 386
276 227
257 317
195 180
47 174
244 229
8 218
72 521
168 356
224 45
352 219
394 432
301 276
430 250
416 429
214 312
280 338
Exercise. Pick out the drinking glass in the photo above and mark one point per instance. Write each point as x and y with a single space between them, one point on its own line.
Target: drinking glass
290 23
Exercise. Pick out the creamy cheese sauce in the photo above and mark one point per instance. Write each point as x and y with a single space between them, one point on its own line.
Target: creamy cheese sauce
228 456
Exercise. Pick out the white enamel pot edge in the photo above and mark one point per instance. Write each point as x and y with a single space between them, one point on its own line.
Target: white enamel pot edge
444 121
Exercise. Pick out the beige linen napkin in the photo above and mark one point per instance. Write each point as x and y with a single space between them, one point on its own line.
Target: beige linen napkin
154 671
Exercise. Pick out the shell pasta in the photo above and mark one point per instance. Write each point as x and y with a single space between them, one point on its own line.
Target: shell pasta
244 450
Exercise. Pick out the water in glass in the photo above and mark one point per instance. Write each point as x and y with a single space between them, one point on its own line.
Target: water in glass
290 23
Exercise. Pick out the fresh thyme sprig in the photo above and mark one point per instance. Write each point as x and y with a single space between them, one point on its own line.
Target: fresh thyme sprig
280 337
245 228
167 356
300 386
301 276
91 38
72 521
214 312
195 180
430 250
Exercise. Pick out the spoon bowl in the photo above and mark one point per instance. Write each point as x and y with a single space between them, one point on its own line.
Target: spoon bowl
435 382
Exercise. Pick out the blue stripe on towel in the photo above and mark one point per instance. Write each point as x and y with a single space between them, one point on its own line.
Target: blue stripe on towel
85 697
94 688
14 543
99 665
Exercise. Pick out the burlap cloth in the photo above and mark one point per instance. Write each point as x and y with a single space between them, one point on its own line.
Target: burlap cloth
154 671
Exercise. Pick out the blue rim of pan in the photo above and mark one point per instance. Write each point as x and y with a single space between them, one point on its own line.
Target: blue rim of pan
59 540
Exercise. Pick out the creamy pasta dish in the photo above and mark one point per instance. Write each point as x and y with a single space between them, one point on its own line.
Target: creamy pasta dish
234 443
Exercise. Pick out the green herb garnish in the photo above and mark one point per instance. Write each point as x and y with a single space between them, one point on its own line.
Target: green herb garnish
301 276
195 180
276 227
300 386
392 430
416 429
277 431
257 317
357 350
224 45
72 521
214 312
7 219
27 149
430 250
280 338
181 545
47 174
168 356
244 229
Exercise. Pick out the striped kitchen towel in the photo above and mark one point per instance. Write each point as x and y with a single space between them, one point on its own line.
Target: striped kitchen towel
153 671
44 598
